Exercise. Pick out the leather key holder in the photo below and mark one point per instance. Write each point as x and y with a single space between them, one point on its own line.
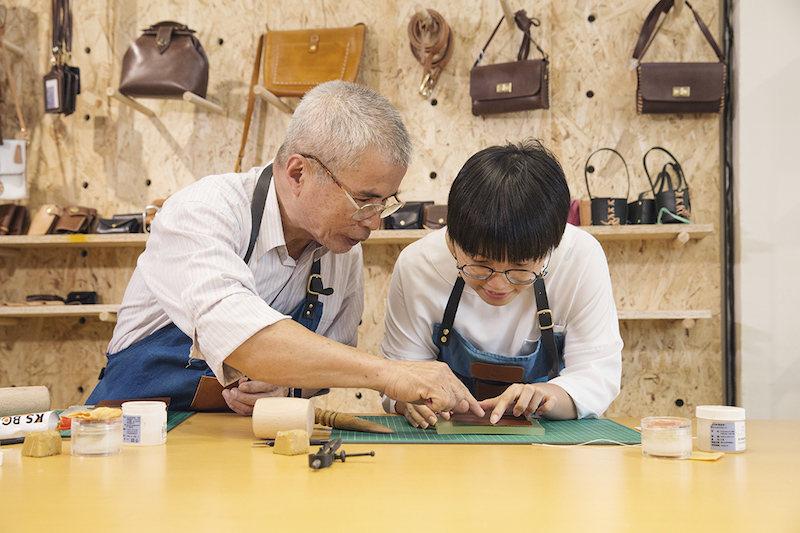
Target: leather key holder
76 219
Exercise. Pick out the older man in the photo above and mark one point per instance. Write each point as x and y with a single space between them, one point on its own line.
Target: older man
232 256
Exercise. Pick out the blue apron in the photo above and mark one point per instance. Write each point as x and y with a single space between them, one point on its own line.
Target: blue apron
160 365
487 374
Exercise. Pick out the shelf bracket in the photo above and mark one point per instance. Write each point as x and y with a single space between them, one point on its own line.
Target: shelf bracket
187 96
13 48
682 238
508 14
270 98
105 316
688 323
130 102
202 103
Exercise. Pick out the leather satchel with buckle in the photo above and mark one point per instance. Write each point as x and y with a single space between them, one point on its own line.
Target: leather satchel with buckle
517 86
678 87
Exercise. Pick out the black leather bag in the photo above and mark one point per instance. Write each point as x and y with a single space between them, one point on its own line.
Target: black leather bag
119 224
671 191
165 62
607 210
642 210
517 86
410 216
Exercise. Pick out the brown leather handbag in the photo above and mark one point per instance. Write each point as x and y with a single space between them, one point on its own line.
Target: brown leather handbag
76 219
296 61
678 87
165 62
517 86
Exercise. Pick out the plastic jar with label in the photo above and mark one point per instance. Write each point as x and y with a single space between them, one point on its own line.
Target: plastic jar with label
144 423
721 428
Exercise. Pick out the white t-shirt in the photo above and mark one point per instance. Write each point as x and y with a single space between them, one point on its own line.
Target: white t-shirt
580 296
192 273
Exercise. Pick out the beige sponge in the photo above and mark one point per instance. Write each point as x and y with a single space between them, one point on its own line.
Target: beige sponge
291 442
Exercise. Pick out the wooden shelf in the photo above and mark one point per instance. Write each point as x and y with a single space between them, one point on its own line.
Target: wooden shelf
686 317
679 233
10 314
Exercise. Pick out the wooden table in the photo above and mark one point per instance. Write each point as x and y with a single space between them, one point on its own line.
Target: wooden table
208 477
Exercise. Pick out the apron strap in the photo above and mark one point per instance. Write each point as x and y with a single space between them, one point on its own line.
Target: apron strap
257 208
450 311
545 318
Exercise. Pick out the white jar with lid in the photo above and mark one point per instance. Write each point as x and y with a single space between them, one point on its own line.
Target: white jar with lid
144 423
721 428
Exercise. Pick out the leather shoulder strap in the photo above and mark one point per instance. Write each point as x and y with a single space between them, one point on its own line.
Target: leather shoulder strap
649 29
251 100
545 318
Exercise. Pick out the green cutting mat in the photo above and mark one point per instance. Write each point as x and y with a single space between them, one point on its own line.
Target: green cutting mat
593 431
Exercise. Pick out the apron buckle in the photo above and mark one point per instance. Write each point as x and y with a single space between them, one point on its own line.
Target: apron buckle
315 286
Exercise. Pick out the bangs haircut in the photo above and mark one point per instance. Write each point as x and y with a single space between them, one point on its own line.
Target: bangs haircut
509 203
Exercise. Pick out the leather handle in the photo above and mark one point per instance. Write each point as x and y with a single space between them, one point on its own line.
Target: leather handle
649 29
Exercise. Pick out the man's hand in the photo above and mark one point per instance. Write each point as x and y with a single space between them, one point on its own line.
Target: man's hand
243 397
431 384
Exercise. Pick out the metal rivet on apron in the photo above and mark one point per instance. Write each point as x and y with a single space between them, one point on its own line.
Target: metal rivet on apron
446 332
443 339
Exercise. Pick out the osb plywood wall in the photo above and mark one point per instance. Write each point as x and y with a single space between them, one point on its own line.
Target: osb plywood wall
111 157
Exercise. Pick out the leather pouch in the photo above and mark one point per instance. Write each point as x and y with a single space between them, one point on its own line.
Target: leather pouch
434 216
607 210
81 298
13 170
165 62
516 86
76 219
671 191
678 87
295 61
642 211
44 220
44 299
409 216
12 219
119 224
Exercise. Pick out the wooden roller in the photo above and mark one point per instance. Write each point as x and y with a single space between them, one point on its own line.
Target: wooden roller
344 421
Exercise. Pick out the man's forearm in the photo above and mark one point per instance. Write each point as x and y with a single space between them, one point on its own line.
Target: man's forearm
287 354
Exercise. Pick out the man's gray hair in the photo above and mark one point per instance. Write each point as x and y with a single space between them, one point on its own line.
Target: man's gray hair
337 121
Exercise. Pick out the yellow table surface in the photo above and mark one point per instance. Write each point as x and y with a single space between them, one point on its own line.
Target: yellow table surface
208 477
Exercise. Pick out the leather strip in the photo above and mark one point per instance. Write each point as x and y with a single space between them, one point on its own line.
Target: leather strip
431 45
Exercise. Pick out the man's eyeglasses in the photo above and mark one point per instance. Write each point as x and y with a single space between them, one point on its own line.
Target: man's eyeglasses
363 212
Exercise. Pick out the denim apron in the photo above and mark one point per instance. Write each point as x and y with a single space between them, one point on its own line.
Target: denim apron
160 364
487 374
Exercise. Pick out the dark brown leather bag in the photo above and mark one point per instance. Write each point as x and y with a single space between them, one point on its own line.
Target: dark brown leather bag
76 219
678 87
507 87
12 219
166 61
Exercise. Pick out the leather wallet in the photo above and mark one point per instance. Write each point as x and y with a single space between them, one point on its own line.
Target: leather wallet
12 219
45 219
434 216
81 298
407 217
119 224
76 219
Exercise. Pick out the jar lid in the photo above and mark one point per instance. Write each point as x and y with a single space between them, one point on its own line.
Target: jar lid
720 412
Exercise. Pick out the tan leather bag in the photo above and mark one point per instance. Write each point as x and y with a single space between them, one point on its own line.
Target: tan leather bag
45 219
296 61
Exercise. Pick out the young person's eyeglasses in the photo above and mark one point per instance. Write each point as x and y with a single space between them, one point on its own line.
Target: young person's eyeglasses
363 212
516 276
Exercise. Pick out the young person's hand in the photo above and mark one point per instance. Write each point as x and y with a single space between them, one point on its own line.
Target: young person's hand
525 399
419 416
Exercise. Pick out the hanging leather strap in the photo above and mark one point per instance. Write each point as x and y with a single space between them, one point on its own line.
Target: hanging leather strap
524 23
251 100
587 167
432 45
649 29
663 179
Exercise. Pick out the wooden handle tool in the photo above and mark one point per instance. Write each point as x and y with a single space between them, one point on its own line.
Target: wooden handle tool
344 421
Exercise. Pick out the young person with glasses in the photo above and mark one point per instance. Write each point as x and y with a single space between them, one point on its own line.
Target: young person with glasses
515 300
231 257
